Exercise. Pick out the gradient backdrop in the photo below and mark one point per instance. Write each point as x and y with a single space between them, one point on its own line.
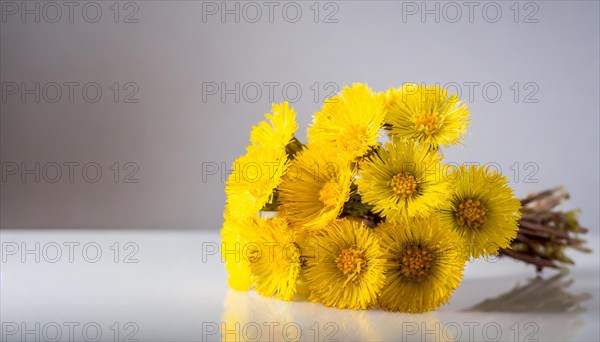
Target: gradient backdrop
129 115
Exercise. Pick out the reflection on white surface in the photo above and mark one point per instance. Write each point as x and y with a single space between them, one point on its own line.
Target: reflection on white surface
249 316
172 287
543 309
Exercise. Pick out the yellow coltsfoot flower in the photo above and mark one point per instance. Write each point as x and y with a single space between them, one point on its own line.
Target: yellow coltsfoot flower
237 259
257 174
349 122
279 128
315 188
254 178
483 210
403 179
426 114
424 264
276 266
344 265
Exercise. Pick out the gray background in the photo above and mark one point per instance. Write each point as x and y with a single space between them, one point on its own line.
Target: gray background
172 131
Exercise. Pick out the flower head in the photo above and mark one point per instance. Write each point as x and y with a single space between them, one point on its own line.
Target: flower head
483 210
344 266
277 265
424 264
426 114
237 258
278 130
349 122
403 179
254 178
257 174
314 190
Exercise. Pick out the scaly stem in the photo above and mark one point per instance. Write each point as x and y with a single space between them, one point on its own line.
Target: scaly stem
544 233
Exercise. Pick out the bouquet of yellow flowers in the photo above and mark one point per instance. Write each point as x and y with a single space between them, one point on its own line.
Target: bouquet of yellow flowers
367 214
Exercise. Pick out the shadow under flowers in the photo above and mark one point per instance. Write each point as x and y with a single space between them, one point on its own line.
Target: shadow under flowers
542 295
542 309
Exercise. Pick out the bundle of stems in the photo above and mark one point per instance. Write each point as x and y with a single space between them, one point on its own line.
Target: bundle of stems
545 233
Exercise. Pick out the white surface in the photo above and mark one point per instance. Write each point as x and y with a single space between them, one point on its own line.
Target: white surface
177 292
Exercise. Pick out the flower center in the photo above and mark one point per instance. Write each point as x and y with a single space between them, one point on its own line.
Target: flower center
403 185
415 263
471 214
426 123
354 138
329 194
350 261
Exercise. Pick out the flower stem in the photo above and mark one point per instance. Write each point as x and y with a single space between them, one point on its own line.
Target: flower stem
544 233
